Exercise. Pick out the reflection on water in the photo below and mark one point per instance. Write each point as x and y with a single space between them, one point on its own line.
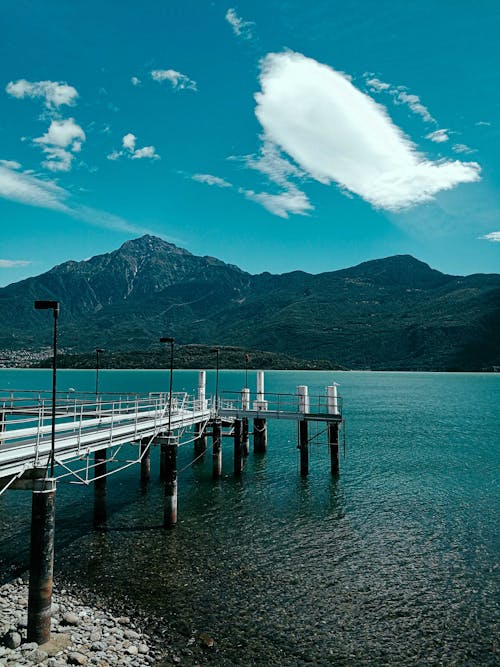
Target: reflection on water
391 563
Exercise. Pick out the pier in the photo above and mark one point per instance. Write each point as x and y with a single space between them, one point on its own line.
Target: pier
80 439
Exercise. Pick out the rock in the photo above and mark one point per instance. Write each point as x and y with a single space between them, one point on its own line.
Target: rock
29 646
131 634
36 657
206 640
70 618
76 659
124 620
132 650
12 640
95 635
143 648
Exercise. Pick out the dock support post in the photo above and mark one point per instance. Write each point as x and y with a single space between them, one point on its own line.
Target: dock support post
170 512
145 460
333 441
200 439
100 512
41 563
163 461
259 435
238 452
217 449
245 440
304 448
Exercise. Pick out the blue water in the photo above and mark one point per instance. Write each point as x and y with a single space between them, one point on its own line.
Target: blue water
393 563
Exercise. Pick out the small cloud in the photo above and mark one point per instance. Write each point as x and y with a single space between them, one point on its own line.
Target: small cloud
10 164
486 123
377 86
492 236
292 201
13 263
463 148
135 81
54 93
28 189
62 139
240 27
211 180
438 136
179 81
133 153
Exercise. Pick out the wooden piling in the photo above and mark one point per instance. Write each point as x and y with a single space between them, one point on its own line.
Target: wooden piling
170 511
333 442
163 461
259 435
145 460
238 450
200 439
100 510
245 439
304 448
217 449
41 565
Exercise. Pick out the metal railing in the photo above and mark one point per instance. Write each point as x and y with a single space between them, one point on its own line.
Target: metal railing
281 403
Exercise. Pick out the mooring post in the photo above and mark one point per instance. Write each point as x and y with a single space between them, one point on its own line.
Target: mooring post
170 512
100 513
259 423
333 428
304 448
41 563
238 450
163 459
217 449
245 439
200 439
333 441
145 450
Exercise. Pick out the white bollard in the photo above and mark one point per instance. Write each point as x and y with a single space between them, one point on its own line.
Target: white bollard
202 383
245 399
260 403
303 394
332 399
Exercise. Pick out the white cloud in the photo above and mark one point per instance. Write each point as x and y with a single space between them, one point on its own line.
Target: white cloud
27 189
33 191
377 86
463 148
486 123
336 133
10 164
179 81
13 263
62 139
492 236
54 93
271 162
135 81
438 136
145 152
130 151
292 201
240 27
128 141
211 180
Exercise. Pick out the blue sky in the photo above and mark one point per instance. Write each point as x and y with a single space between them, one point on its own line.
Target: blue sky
273 135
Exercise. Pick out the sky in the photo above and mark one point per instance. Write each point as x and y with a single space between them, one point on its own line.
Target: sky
276 136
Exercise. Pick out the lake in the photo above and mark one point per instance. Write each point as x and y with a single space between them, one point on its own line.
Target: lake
395 562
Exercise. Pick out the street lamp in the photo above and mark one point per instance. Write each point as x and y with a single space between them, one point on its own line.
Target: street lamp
54 306
171 341
98 351
246 370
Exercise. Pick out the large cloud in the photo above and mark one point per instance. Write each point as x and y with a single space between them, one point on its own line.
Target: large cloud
54 93
336 133
62 139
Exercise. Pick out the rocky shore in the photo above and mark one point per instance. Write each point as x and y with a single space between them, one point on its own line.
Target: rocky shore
80 635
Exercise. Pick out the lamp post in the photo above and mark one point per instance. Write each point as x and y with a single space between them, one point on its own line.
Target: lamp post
171 342
54 306
98 351
246 369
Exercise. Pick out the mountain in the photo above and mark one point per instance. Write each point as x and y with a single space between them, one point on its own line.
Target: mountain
393 313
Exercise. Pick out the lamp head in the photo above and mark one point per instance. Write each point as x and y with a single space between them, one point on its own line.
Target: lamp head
166 340
48 305
99 350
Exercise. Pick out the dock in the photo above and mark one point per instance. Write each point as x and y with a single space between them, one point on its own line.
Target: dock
80 439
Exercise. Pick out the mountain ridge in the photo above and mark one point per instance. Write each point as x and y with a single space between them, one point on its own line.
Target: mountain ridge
395 312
